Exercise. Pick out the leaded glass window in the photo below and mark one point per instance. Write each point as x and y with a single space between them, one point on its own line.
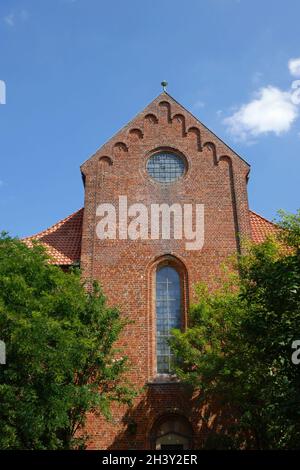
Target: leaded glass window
168 314
165 167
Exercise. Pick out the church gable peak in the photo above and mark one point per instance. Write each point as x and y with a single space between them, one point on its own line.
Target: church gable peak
154 122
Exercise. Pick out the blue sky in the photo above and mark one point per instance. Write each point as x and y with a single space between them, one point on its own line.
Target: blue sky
77 70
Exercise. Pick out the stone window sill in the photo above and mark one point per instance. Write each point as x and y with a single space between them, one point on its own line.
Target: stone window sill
160 379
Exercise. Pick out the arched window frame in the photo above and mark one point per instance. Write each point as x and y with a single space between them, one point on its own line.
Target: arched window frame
179 266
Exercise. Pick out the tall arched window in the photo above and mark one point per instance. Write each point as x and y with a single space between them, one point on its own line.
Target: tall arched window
168 314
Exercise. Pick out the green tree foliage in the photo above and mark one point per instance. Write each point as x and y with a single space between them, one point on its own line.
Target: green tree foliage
61 356
238 346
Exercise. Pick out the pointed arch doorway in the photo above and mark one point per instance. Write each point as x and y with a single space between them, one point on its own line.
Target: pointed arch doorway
172 432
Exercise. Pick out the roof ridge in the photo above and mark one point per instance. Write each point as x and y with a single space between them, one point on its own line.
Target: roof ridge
164 94
207 128
53 227
122 128
263 218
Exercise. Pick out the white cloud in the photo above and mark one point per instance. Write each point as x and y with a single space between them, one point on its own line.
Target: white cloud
294 67
271 110
10 19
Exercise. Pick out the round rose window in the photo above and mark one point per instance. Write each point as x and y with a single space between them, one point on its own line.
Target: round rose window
166 167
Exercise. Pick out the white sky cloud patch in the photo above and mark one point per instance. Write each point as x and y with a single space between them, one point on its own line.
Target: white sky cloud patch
10 19
13 18
294 67
271 110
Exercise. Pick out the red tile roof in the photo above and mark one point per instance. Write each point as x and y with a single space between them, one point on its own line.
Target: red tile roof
63 240
261 227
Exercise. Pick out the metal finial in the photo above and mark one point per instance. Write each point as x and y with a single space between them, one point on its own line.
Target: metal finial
164 84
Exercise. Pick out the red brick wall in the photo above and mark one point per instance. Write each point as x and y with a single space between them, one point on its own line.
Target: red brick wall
216 177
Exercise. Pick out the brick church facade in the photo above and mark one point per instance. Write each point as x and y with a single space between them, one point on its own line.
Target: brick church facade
163 156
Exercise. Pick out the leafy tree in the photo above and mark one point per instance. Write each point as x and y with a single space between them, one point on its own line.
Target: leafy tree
238 346
61 356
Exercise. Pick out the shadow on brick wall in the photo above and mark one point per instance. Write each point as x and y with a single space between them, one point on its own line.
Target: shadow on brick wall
212 424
